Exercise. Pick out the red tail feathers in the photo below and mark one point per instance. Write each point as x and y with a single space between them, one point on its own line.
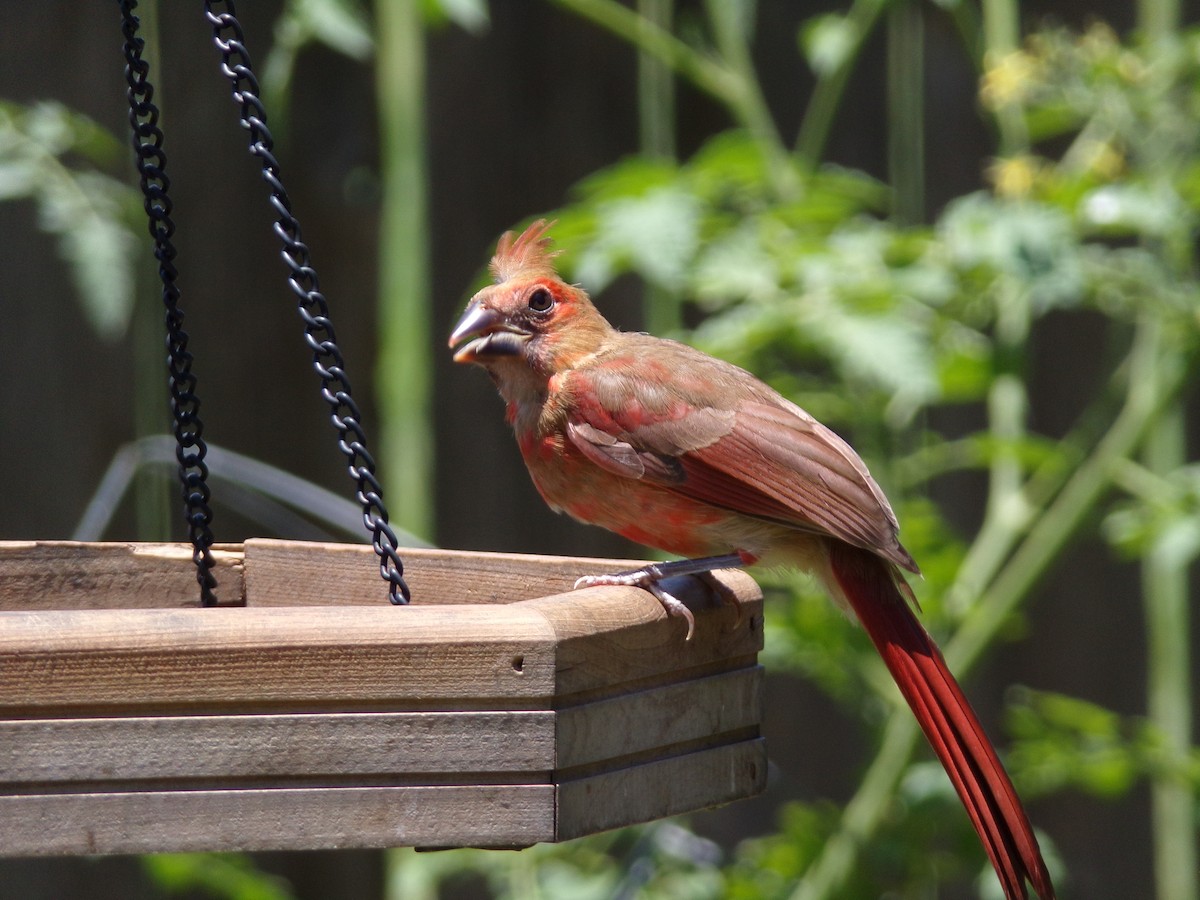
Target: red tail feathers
946 718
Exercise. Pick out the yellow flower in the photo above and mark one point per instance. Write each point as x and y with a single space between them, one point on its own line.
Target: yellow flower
1098 42
1104 160
1131 67
1013 177
1007 78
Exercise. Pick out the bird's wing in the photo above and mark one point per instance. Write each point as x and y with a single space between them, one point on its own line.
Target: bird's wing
742 447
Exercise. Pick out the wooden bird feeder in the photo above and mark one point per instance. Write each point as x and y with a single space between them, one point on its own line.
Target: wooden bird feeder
309 713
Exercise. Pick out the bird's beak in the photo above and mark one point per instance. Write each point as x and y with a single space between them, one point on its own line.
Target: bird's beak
493 335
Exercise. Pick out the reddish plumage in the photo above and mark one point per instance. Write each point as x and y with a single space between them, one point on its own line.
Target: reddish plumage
677 450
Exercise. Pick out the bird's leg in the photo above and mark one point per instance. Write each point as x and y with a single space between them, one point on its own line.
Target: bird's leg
649 576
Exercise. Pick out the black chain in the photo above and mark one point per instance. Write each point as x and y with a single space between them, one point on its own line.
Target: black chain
312 306
190 448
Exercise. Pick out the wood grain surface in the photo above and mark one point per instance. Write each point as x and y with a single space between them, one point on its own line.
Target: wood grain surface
499 710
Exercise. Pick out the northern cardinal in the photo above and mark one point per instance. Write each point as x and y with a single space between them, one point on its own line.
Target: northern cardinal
677 450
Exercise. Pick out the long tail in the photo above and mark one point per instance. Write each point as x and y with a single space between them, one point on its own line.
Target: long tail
946 718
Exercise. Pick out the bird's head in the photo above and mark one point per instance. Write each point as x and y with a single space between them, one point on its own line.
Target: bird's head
530 320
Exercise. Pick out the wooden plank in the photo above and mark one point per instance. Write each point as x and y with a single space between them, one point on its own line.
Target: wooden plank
294 573
269 727
222 659
554 646
348 817
77 575
617 636
284 819
645 721
404 744
74 575
661 788
285 746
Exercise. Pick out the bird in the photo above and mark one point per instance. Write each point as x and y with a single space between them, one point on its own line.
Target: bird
683 452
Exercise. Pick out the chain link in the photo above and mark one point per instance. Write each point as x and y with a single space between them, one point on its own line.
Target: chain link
190 448
312 305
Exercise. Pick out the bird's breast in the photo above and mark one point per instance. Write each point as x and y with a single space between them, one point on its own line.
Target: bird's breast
640 511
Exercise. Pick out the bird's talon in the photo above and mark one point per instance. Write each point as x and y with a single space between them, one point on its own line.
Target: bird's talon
647 579
674 606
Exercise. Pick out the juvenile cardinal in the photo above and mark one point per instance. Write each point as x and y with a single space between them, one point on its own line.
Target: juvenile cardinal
680 451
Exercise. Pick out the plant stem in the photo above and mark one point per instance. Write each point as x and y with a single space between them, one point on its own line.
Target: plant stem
1152 380
822 106
151 493
1001 34
1150 385
661 309
403 377
967 22
906 111
1169 683
730 80
1165 595
704 72
1008 509
863 814
1158 19
406 878
732 34
656 87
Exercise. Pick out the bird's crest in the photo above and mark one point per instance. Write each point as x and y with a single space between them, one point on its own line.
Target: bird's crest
528 254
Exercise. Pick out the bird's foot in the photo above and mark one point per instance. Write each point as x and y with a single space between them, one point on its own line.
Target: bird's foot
646 578
649 576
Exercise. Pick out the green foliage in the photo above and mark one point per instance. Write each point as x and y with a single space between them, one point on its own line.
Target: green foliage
1064 742
797 271
1161 512
228 876
57 159
828 41
767 867
663 860
871 324
344 27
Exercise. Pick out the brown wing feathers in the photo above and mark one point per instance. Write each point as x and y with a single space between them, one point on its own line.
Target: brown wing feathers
762 457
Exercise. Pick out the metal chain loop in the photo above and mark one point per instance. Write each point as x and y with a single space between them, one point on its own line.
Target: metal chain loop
190 448
312 305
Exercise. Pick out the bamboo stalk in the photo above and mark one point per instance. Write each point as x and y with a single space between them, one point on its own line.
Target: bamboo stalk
1165 589
827 95
1169 683
152 499
906 111
661 310
403 373
1001 36
1150 385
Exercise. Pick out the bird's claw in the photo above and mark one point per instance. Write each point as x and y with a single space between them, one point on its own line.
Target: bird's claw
646 578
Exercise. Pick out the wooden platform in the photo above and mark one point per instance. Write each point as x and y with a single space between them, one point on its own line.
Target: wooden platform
308 713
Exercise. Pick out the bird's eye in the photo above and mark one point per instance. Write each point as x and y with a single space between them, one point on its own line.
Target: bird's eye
540 300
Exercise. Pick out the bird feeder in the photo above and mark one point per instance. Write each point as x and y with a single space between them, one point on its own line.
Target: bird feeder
500 711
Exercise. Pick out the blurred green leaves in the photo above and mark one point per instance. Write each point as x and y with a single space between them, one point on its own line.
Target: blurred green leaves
1161 514
873 325
1064 742
57 159
828 41
230 876
796 270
